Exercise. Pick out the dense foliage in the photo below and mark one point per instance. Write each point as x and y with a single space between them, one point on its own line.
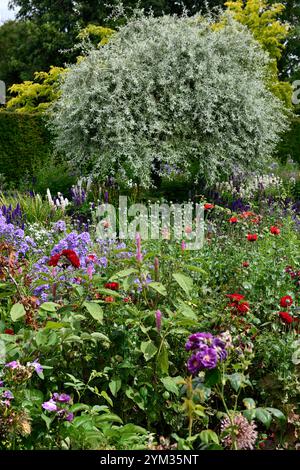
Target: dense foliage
144 344
24 145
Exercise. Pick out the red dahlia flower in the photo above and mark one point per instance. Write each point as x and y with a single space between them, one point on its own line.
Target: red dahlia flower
275 230
252 237
286 301
246 264
208 206
233 220
112 285
286 317
54 260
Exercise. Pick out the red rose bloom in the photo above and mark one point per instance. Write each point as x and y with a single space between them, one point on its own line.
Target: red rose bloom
252 237
127 300
233 220
286 317
286 301
9 331
275 230
208 206
246 264
243 307
112 285
109 299
235 297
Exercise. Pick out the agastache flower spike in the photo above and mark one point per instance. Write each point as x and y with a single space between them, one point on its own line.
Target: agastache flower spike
158 317
139 256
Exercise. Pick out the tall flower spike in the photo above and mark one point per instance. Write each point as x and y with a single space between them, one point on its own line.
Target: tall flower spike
139 256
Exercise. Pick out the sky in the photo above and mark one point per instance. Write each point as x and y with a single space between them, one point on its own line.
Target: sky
5 13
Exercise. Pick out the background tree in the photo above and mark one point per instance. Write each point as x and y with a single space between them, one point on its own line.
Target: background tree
189 95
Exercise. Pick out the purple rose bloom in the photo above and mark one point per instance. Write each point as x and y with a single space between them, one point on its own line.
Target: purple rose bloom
70 416
50 405
37 367
220 348
62 398
194 363
7 394
198 339
209 358
13 365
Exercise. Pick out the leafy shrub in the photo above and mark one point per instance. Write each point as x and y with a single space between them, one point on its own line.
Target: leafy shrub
189 95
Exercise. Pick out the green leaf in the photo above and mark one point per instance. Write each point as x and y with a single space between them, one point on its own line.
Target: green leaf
17 311
185 282
196 269
94 310
52 325
114 386
212 377
264 416
149 349
158 287
208 436
162 360
124 273
170 385
186 311
277 413
106 397
237 381
249 403
49 306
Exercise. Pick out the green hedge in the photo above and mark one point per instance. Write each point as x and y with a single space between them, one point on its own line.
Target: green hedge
24 145
290 145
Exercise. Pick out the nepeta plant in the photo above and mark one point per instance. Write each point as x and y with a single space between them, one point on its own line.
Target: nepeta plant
170 91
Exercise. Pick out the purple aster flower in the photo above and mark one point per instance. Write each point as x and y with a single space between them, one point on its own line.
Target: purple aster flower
7 394
13 365
50 405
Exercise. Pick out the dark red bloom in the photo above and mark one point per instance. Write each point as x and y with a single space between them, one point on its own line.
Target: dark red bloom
109 299
252 237
286 301
246 264
208 206
9 331
127 300
112 285
235 297
54 260
69 254
72 257
233 220
275 230
286 317
243 307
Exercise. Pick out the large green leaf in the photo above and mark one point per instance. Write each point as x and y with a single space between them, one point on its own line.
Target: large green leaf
185 282
170 385
149 349
94 310
158 287
17 311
